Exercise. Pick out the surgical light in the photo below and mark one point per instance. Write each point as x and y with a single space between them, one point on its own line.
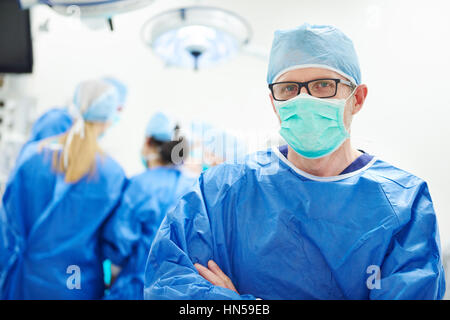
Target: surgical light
92 12
196 37
89 8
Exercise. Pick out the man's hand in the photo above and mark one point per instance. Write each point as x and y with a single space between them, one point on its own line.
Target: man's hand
214 275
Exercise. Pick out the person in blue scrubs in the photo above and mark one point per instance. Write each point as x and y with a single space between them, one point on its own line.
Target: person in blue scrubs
53 122
56 121
58 197
316 219
144 204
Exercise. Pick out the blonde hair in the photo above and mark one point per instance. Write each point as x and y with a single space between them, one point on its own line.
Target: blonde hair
81 154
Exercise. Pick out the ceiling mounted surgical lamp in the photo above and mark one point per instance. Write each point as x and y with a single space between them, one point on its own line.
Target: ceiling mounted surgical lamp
196 37
89 9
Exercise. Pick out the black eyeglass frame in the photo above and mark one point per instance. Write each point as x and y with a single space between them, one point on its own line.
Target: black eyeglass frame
305 84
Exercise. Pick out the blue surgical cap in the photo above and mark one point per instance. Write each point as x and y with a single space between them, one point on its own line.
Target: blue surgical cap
96 100
160 127
120 87
313 46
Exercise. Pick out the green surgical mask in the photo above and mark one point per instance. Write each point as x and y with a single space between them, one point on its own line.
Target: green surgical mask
313 127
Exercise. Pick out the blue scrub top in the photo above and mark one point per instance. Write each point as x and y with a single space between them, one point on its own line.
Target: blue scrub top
281 233
51 238
130 232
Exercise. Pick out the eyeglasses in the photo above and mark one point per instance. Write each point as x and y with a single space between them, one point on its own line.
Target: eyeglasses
319 88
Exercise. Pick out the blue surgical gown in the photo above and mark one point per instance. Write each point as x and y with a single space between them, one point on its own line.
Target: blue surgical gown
132 229
52 123
280 233
51 236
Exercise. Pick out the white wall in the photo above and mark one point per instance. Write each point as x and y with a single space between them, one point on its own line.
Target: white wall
404 54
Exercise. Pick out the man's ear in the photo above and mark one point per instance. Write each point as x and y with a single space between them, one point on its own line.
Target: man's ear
360 96
273 107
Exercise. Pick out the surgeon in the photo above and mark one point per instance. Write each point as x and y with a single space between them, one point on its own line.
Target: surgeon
317 219
59 120
58 197
145 203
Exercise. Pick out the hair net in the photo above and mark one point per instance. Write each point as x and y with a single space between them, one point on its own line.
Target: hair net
160 127
96 100
313 46
120 87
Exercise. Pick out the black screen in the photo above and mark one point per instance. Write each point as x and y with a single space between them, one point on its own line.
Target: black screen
16 54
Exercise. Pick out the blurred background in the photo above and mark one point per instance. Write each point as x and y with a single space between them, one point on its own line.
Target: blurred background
403 46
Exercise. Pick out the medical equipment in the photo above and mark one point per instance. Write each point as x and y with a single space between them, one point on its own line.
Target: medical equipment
16 55
196 37
90 10
16 116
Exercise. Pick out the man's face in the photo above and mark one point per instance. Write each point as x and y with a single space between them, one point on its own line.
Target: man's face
343 92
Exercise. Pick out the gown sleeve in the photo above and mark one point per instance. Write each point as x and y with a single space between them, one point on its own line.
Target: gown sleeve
123 229
184 238
413 269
